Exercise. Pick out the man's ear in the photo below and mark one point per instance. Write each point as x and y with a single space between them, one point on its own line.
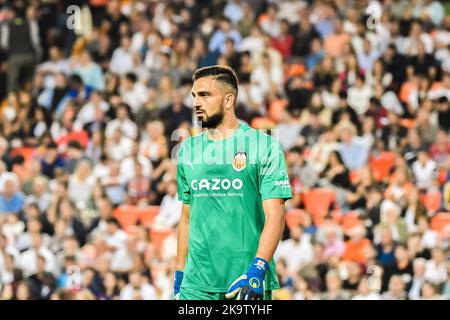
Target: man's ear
229 100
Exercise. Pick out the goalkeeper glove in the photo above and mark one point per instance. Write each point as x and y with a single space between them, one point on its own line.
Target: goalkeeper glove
178 277
250 286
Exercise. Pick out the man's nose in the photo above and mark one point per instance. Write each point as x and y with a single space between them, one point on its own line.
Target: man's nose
196 103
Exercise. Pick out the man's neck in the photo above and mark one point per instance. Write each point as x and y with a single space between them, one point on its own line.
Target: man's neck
225 130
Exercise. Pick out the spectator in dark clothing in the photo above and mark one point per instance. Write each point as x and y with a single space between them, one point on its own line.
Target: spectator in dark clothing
31 211
394 134
324 73
42 283
298 96
312 131
402 267
443 108
396 65
113 20
74 155
66 210
336 172
233 57
385 249
174 115
411 150
304 32
345 108
423 63
376 111
51 161
20 39
105 209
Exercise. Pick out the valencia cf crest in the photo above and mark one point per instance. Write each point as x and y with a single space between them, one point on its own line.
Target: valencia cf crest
240 160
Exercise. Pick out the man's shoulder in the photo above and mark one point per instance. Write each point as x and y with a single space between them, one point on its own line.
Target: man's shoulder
189 141
260 135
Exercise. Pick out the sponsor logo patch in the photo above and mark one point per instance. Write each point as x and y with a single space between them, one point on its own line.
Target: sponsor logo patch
254 283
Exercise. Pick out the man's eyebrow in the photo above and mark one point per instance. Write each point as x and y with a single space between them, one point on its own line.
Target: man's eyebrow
201 93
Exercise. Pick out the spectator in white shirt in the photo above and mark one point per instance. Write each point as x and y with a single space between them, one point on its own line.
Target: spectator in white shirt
267 76
424 170
418 280
89 110
121 61
13 228
40 194
8 255
153 140
137 289
359 94
417 36
128 127
296 251
271 23
140 39
28 259
367 56
55 64
365 292
128 164
254 43
429 237
81 184
436 268
119 146
133 93
115 237
170 209
24 241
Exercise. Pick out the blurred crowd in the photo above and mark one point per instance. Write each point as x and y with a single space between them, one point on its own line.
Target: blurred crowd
95 100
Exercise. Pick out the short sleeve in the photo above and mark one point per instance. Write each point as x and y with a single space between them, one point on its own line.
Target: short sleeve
274 181
184 192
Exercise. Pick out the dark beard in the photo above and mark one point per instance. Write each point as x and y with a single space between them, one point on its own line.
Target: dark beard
213 121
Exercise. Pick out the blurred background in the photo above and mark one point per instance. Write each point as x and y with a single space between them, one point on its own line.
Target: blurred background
95 99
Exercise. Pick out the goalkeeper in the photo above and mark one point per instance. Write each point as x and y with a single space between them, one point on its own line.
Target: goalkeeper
233 182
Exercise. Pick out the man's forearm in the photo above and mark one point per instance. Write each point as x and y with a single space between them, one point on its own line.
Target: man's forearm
273 228
182 238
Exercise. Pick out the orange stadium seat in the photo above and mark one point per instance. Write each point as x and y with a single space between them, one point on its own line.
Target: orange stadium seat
408 123
26 152
319 218
131 229
317 201
350 220
432 201
381 165
440 221
442 176
147 215
355 175
294 217
158 236
126 215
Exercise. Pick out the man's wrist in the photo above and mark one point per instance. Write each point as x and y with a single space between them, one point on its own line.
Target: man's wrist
259 267
178 276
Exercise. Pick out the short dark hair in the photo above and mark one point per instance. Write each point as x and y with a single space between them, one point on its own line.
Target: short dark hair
114 221
131 76
222 74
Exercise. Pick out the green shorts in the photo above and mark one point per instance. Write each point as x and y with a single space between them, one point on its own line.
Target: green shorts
192 294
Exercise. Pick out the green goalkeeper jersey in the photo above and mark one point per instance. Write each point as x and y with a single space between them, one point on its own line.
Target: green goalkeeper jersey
224 182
